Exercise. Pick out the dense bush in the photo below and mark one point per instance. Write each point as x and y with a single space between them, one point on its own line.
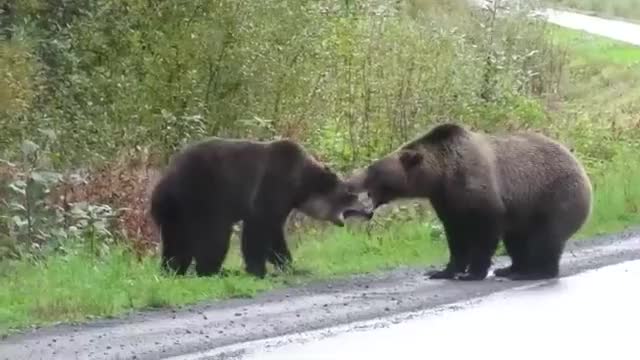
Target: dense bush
350 78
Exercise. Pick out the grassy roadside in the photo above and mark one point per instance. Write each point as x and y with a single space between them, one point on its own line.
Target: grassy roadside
603 90
629 9
601 87
604 80
43 293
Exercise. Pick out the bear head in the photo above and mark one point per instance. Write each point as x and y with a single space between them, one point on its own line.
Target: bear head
405 173
328 197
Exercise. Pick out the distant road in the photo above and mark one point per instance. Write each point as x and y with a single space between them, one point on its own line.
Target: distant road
614 29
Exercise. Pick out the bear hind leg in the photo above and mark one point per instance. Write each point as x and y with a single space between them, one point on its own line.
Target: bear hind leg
560 213
262 240
543 259
516 246
544 245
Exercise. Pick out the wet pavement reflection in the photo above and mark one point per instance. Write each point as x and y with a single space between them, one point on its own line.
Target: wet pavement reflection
591 315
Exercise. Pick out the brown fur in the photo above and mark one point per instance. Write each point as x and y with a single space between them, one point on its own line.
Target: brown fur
525 188
214 183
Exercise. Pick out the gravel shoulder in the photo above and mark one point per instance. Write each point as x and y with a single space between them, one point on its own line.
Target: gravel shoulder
169 333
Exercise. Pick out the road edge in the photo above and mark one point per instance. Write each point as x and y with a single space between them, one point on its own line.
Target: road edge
316 305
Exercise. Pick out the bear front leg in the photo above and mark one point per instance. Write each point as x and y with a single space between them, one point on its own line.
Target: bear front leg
457 240
486 230
256 245
279 255
516 246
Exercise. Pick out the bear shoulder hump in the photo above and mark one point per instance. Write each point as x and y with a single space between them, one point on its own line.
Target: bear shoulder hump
442 134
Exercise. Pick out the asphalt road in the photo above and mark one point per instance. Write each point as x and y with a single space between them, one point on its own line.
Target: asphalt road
228 327
585 316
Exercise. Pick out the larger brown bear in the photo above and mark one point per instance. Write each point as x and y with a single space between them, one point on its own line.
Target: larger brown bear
524 188
214 183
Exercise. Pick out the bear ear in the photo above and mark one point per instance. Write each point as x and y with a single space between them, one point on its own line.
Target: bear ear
410 158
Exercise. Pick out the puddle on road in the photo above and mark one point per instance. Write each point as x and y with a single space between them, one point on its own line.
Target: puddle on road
593 314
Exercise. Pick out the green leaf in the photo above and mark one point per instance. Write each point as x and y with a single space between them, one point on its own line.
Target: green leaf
49 133
19 221
38 178
19 187
14 206
29 147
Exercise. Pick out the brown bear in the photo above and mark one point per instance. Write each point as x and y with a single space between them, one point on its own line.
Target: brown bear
214 183
525 188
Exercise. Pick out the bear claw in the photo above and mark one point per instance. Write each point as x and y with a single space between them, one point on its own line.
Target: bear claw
471 277
503 272
441 274
530 276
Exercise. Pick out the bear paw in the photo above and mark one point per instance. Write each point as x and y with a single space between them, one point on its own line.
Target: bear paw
531 276
471 277
503 272
441 274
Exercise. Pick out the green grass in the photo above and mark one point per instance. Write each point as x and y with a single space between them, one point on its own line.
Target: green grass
629 9
604 78
74 287
616 199
602 92
596 50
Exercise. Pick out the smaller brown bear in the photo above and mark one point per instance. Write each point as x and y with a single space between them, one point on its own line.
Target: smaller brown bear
214 183
524 187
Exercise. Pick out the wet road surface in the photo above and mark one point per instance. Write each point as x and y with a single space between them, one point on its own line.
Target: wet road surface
190 333
590 315
613 29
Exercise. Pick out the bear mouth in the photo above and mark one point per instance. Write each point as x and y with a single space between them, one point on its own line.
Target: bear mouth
350 213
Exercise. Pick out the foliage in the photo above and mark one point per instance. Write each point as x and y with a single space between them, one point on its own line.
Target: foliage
119 74
135 81
75 286
32 222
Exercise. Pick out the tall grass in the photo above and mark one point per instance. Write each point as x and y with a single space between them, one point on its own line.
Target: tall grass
616 195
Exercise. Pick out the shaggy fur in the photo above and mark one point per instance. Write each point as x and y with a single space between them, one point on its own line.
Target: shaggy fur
215 183
525 188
